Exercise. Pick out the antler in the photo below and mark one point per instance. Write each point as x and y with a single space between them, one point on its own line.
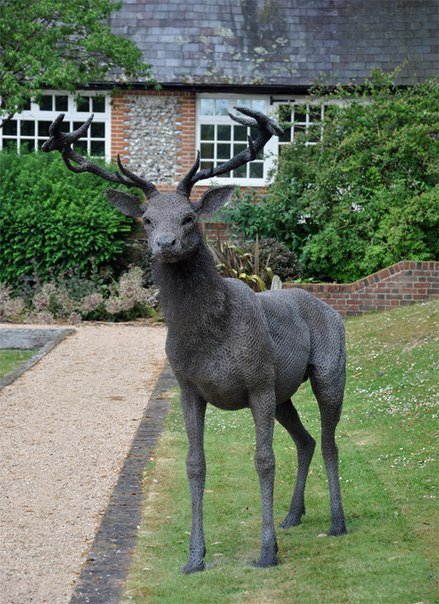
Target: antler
60 141
267 128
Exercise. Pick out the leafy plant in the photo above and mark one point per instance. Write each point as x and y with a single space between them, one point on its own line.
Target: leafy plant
365 196
277 255
72 298
52 220
233 261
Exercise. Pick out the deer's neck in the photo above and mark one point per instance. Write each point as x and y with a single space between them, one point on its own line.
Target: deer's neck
193 295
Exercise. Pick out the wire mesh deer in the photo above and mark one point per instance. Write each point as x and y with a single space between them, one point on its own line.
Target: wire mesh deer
228 346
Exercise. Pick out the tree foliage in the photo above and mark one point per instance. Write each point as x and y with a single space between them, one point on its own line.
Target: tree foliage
53 221
366 195
60 45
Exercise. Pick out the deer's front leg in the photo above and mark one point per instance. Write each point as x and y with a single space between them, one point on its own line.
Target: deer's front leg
194 410
263 406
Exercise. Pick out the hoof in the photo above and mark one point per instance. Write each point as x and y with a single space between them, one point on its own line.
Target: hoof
337 530
268 557
292 519
192 567
266 562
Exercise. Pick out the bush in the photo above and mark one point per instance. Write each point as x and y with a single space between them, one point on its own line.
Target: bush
53 220
364 197
255 262
277 255
73 298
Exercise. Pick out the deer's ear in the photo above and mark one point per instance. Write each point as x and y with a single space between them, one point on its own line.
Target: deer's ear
214 199
126 203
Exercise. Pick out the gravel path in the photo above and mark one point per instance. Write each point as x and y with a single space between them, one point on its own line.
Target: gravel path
66 426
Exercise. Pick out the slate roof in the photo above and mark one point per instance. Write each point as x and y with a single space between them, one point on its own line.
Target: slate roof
282 43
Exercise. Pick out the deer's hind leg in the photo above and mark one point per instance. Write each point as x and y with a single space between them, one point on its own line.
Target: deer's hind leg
328 388
287 416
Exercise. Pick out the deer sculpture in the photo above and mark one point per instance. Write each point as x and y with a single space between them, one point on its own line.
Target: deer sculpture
227 345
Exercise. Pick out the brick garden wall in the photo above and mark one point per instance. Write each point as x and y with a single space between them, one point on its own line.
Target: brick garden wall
402 283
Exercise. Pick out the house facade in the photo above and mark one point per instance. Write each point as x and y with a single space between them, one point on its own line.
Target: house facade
209 57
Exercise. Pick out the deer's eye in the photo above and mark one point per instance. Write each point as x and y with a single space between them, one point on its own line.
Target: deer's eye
187 220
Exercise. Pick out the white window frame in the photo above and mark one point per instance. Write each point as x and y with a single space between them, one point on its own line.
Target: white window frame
270 150
300 100
72 114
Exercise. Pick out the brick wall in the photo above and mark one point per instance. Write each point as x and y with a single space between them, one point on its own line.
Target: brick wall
402 283
184 131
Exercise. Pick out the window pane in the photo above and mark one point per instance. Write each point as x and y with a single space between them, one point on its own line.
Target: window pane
260 155
10 128
239 133
207 150
240 172
28 144
98 103
298 130
10 144
314 113
224 133
26 106
40 143
97 148
238 147
43 128
46 103
254 133
206 106
244 103
207 132
206 165
76 125
256 170
83 104
286 136
61 102
221 107
314 134
223 151
66 127
97 130
300 114
27 128
81 147
258 105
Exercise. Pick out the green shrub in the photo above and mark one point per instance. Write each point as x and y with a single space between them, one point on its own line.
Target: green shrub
277 255
364 197
233 261
52 220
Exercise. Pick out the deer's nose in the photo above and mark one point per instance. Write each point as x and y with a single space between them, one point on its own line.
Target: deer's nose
165 241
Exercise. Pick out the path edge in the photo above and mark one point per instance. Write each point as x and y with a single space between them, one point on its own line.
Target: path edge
55 336
105 571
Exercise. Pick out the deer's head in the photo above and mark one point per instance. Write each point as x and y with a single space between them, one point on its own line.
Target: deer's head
170 219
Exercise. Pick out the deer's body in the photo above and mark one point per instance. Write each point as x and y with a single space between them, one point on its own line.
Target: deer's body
229 346
225 341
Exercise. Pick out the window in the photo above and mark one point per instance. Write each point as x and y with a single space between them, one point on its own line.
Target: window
30 128
303 119
219 138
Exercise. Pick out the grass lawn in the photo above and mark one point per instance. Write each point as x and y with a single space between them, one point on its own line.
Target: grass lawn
11 359
389 480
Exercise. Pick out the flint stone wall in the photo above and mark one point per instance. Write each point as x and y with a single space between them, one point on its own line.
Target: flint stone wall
152 138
